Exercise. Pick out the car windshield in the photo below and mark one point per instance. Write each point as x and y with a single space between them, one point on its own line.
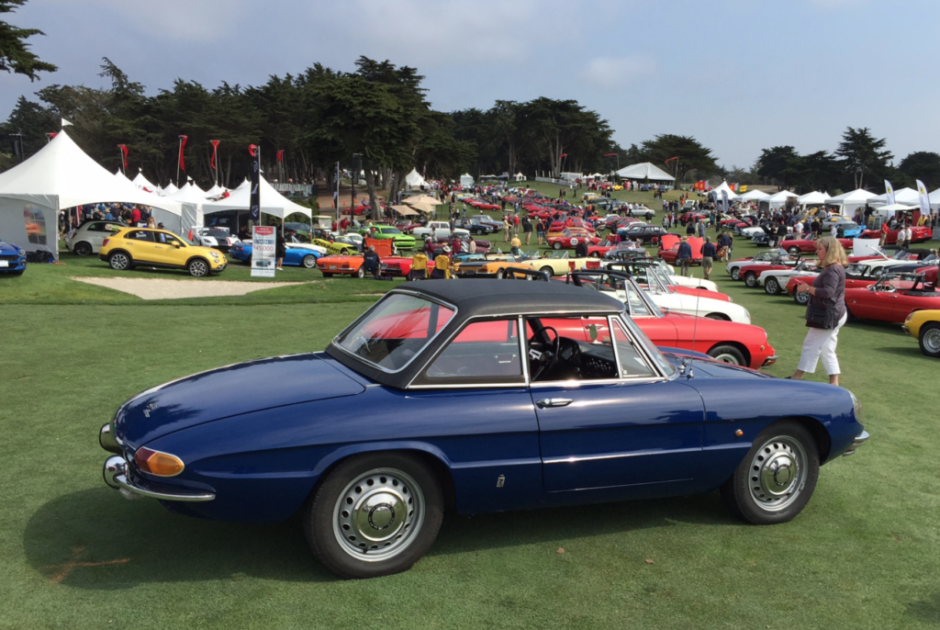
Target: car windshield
559 255
394 331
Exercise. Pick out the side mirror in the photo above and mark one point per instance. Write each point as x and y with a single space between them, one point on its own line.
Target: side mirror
177 244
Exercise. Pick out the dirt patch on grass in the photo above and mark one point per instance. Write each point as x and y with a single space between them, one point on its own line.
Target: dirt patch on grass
147 289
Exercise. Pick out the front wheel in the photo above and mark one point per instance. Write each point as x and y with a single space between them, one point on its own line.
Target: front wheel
310 261
374 515
727 353
119 261
557 245
750 279
501 274
794 250
198 268
735 274
800 298
548 270
771 286
361 272
776 479
929 340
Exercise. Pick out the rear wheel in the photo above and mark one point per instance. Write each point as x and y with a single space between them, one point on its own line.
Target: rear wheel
771 286
500 274
776 479
930 340
374 515
750 279
119 261
794 250
198 268
726 353
548 270
310 261
83 249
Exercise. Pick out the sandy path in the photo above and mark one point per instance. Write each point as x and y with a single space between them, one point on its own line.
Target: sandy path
172 289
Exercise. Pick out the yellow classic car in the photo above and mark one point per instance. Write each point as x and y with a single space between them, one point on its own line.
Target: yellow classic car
556 263
339 247
925 327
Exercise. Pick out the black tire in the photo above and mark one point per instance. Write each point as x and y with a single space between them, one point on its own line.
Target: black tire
929 340
120 261
726 353
361 272
776 479
750 279
548 270
801 298
736 273
794 250
718 317
500 274
326 274
373 515
344 252
83 249
309 261
771 286
198 268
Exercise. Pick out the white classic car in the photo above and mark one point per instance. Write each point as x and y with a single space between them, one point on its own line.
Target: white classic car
735 265
775 280
667 297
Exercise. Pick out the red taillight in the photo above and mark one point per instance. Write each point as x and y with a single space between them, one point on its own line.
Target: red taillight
157 463
105 242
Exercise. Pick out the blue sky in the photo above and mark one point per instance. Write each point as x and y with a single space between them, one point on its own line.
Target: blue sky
738 75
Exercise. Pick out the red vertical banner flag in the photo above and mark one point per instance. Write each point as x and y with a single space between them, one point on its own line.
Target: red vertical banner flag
123 148
215 150
280 155
183 140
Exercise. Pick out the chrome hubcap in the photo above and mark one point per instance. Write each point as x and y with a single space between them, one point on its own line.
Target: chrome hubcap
778 473
932 340
378 515
771 286
727 358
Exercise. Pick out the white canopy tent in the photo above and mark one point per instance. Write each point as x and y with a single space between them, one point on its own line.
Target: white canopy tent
142 182
645 170
466 180
272 202
778 200
814 198
934 199
716 192
62 176
754 195
850 201
215 191
414 179
169 190
191 199
904 196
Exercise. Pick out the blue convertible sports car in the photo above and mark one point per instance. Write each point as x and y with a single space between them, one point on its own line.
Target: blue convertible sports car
480 395
294 255
12 259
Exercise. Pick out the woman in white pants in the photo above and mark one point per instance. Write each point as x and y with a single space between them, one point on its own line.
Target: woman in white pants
827 290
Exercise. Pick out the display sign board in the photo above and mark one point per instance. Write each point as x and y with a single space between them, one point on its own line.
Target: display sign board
263 247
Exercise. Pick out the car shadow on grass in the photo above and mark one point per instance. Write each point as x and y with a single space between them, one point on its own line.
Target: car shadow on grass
97 540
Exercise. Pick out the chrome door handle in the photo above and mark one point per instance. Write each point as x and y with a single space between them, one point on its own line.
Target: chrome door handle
553 402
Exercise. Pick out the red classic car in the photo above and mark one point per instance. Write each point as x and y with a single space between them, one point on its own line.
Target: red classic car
570 237
570 222
480 204
730 342
669 247
919 233
803 298
751 272
892 299
804 245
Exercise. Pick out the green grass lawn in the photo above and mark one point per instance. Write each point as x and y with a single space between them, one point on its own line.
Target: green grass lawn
74 554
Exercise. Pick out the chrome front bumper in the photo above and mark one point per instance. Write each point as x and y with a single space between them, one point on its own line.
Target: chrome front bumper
859 440
116 476
770 360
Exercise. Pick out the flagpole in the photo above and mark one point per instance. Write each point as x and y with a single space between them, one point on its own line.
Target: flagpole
178 161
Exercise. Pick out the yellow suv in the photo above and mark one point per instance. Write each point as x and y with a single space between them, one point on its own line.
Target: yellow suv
146 247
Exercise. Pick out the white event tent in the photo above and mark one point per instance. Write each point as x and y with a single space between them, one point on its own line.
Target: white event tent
903 196
645 170
191 199
716 192
62 176
142 182
814 198
414 180
272 202
848 202
754 195
778 200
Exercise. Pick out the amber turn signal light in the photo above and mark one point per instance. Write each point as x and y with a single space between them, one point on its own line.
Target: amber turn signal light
157 463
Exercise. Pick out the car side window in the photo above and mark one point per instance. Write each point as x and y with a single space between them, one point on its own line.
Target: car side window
139 235
483 352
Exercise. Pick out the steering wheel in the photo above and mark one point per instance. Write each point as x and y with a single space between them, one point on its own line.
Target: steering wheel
549 357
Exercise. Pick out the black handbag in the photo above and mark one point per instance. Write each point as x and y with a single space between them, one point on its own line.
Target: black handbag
820 316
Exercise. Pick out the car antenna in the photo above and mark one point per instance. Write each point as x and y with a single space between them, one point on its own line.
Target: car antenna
698 296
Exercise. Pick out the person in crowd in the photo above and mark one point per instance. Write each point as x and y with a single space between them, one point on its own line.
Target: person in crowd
684 256
244 232
709 253
724 242
151 223
690 229
884 234
280 247
429 247
371 262
540 231
798 229
135 216
527 229
516 246
581 249
826 293
507 228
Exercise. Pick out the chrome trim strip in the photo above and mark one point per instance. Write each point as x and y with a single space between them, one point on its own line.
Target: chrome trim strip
468 386
605 381
122 481
592 458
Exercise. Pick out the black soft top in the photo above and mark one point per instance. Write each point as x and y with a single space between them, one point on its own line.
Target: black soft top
484 298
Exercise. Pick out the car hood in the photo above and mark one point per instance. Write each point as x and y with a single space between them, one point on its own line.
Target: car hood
230 391
703 366
9 248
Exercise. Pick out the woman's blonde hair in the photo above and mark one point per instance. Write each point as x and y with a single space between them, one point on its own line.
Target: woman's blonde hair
835 254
